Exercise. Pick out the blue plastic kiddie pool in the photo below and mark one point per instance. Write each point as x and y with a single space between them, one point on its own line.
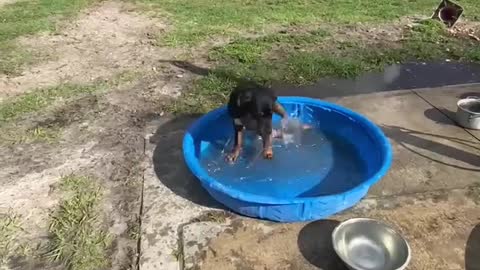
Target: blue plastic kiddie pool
343 158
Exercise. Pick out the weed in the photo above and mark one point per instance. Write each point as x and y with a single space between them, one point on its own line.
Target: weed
177 254
134 228
76 238
9 228
42 134
213 216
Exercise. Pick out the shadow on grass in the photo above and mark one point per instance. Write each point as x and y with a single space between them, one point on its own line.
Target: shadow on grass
169 164
315 244
408 138
188 67
472 251
222 73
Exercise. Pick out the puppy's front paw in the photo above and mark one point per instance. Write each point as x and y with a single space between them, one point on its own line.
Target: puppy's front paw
232 157
268 153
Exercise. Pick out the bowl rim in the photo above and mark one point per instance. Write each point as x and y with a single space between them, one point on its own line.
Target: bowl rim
388 227
211 183
469 99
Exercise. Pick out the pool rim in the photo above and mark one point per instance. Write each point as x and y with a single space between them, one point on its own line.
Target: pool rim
209 182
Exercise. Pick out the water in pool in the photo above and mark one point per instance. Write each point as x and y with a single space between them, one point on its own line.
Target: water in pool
315 163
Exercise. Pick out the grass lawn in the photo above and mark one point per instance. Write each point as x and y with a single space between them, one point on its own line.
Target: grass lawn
297 41
197 20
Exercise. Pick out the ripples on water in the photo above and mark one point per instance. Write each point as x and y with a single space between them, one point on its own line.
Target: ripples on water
309 163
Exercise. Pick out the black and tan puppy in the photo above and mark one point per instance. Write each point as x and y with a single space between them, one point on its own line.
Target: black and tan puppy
251 108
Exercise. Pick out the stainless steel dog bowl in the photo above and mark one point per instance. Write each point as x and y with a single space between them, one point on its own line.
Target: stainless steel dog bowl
367 244
468 112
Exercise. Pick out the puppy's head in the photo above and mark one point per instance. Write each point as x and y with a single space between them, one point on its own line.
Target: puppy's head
256 102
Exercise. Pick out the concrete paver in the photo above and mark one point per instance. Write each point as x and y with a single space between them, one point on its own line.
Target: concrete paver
427 154
431 195
168 197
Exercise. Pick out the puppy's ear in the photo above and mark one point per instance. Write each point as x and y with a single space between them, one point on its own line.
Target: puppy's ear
244 97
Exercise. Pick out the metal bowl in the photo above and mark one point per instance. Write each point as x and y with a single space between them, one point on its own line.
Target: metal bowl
468 112
367 244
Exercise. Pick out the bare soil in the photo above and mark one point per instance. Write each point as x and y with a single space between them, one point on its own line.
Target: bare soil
102 135
104 41
436 225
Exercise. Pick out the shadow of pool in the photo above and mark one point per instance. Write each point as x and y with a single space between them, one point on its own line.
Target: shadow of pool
169 165
472 252
315 244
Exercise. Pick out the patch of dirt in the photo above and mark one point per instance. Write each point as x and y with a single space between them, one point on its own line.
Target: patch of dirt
31 196
103 42
467 29
382 33
437 230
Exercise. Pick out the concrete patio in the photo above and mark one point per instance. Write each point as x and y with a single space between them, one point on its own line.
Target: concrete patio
431 195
